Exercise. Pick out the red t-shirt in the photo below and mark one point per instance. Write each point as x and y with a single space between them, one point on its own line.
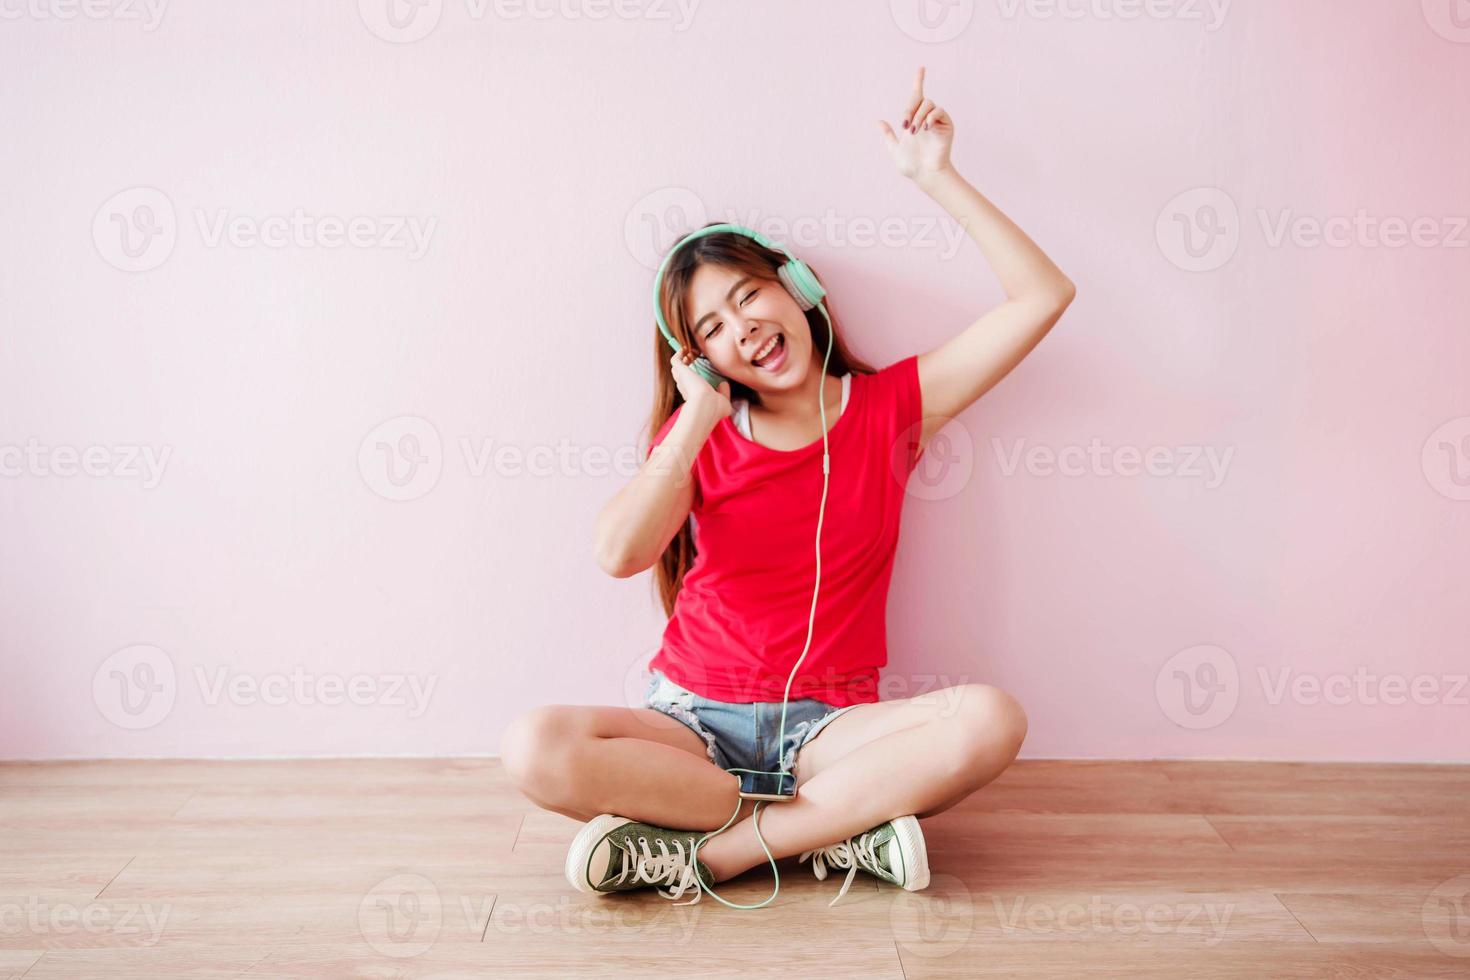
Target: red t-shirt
740 619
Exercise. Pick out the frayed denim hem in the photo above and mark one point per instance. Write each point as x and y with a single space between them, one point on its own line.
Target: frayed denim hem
679 708
805 732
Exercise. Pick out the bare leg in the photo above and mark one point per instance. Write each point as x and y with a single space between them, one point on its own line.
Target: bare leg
583 760
919 770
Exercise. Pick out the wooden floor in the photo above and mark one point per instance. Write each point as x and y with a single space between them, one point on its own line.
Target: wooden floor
438 868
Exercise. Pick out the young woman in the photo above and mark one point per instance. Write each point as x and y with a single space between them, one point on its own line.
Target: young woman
742 461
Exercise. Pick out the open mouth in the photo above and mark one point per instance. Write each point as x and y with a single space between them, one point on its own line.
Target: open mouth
772 355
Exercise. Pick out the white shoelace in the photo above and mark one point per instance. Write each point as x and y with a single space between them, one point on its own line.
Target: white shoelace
675 870
844 854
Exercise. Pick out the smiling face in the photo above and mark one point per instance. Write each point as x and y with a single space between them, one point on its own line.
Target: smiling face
736 316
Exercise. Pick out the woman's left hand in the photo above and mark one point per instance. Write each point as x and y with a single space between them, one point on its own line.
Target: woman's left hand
924 150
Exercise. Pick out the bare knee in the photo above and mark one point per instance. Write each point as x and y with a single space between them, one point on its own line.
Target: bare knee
987 726
535 752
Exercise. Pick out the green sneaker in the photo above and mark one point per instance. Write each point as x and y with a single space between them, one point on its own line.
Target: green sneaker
615 854
893 851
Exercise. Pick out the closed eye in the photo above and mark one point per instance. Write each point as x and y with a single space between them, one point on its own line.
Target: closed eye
720 323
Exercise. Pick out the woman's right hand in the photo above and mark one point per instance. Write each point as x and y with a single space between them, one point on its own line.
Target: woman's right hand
703 399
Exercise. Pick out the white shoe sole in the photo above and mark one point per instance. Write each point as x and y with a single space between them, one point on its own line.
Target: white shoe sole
915 854
583 845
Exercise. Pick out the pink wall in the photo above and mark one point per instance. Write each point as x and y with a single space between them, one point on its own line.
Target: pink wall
542 161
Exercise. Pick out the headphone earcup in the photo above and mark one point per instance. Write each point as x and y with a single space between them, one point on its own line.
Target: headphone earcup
801 283
706 370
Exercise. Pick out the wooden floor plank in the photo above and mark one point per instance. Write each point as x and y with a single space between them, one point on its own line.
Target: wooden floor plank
439 867
1145 960
15 962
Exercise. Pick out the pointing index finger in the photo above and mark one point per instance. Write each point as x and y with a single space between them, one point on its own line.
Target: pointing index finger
916 98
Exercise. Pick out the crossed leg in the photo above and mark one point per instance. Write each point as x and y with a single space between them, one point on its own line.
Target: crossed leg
583 760
881 760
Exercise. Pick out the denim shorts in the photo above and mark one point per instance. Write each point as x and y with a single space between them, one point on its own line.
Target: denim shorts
743 736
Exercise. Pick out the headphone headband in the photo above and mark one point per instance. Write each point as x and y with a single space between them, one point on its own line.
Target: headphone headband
794 273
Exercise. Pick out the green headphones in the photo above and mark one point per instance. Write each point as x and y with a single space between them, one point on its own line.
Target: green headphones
795 275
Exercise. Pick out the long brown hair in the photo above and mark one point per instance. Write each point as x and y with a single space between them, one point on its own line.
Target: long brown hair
743 254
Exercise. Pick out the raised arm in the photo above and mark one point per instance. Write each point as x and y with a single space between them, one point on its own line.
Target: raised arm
963 368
